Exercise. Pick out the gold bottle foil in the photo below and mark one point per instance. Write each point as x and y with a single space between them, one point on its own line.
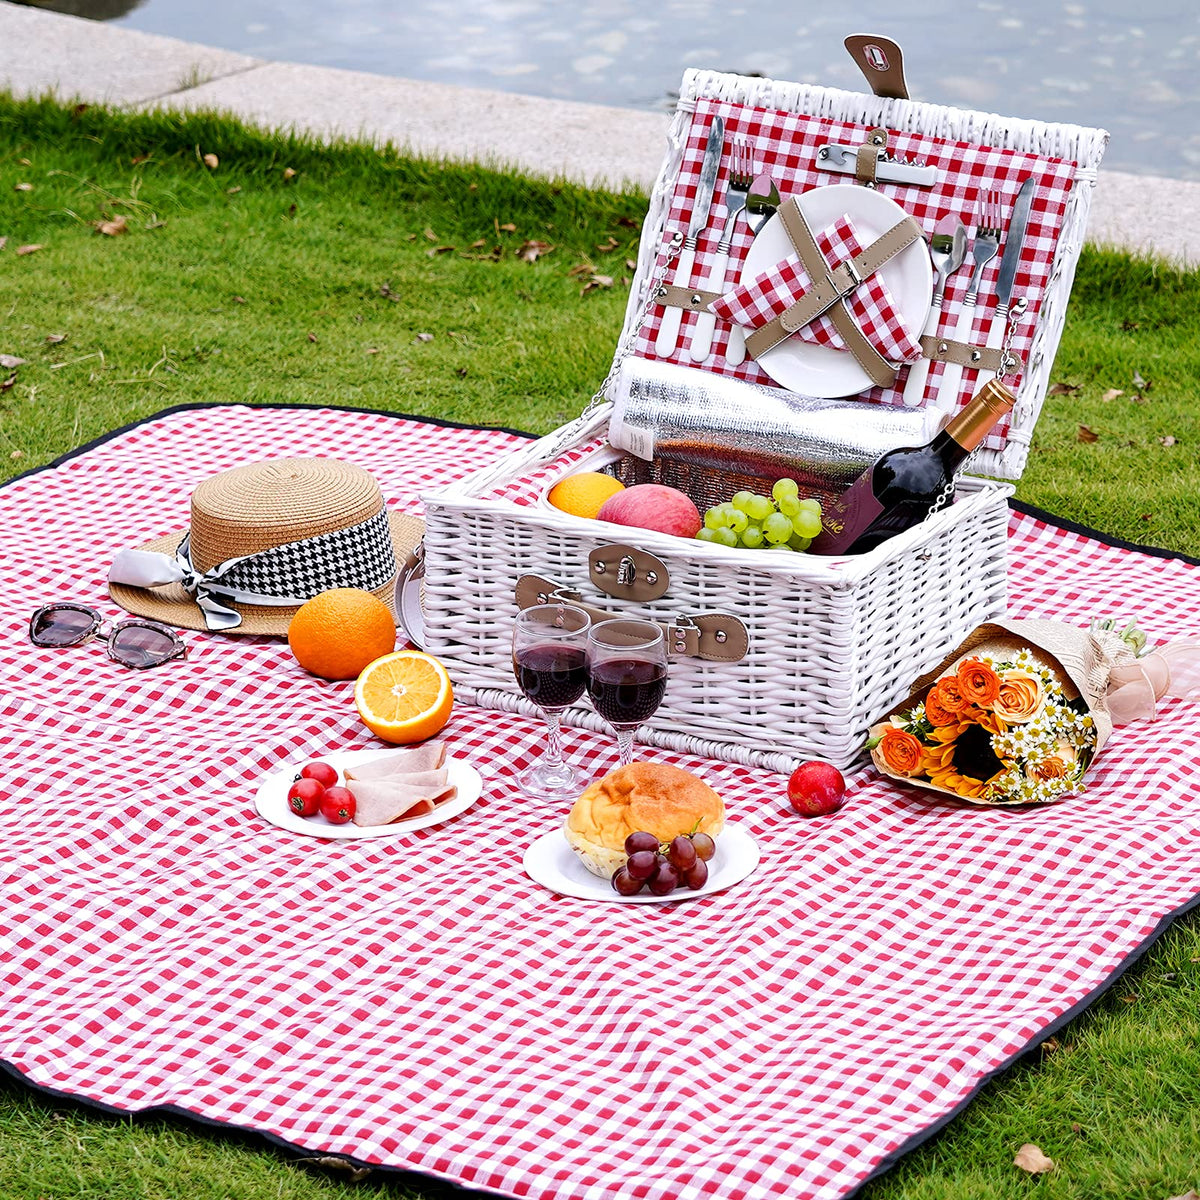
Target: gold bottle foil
977 420
662 411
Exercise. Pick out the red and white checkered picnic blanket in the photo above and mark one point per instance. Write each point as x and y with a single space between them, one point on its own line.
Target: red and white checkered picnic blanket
785 146
871 305
418 1002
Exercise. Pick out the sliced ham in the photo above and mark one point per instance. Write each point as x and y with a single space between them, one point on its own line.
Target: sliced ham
427 757
380 802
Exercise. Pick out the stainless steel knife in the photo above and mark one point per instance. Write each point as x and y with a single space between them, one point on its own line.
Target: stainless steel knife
668 330
1014 241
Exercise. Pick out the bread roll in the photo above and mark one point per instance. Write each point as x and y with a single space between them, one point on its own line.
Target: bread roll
650 797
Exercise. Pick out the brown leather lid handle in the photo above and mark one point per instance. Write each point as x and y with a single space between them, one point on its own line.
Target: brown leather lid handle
710 637
881 61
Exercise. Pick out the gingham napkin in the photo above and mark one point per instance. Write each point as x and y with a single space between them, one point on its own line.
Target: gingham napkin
871 304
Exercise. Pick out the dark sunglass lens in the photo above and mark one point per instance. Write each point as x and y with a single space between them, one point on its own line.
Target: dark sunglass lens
138 646
62 627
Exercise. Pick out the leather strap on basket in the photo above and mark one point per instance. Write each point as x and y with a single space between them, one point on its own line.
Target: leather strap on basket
830 288
710 637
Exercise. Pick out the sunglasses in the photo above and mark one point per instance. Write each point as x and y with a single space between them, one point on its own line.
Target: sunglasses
132 643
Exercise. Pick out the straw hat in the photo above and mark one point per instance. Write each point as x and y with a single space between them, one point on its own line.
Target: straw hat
277 532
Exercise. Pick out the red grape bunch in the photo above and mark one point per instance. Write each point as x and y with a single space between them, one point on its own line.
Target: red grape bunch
661 867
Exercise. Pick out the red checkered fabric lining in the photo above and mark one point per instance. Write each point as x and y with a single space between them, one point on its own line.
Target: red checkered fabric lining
785 145
419 1002
772 293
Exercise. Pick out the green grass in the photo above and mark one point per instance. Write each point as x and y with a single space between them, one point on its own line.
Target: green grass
241 285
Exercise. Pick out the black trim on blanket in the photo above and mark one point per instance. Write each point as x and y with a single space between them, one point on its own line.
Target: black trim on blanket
393 1172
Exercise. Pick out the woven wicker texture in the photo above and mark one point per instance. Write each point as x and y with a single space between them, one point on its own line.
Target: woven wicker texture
277 501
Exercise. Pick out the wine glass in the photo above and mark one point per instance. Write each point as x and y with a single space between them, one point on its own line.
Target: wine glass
549 645
626 675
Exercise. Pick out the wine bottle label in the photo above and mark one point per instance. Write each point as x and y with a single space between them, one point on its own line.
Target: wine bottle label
845 518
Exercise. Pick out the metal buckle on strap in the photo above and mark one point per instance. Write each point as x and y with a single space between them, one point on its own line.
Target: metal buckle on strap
836 275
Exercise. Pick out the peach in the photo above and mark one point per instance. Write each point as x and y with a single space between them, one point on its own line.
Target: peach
653 506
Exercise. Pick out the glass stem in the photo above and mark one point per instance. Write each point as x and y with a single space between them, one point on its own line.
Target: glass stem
625 746
554 755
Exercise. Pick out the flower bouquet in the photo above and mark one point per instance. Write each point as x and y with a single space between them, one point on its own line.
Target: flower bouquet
1019 711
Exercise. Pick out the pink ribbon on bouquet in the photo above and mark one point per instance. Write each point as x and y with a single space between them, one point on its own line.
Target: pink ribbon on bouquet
1170 672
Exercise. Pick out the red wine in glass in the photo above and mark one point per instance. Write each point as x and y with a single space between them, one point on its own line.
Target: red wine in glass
627 691
552 676
549 655
627 675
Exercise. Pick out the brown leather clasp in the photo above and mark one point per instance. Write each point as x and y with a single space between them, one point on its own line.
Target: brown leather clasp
628 573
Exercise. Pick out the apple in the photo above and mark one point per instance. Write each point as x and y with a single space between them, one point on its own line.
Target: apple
653 506
816 789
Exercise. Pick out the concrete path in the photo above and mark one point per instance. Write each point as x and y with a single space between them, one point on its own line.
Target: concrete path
596 145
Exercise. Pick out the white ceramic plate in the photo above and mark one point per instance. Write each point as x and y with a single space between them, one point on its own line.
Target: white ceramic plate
551 862
271 799
819 370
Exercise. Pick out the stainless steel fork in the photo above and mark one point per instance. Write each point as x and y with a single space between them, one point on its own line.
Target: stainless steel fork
741 175
983 249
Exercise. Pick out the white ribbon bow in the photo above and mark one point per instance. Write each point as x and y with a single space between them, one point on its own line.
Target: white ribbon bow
148 569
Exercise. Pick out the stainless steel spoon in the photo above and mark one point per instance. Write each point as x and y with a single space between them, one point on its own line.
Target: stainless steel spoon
947 251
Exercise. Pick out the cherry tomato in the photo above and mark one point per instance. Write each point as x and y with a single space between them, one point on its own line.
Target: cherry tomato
337 805
304 797
323 773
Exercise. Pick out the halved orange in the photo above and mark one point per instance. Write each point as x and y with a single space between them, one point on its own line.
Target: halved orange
404 696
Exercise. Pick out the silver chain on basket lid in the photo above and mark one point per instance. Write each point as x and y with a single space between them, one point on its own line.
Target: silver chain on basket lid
1007 362
657 290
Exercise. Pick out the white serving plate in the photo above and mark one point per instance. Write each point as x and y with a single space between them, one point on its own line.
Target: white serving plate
551 862
271 798
819 370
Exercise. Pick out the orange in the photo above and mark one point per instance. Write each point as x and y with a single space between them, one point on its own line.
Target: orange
404 697
336 634
583 495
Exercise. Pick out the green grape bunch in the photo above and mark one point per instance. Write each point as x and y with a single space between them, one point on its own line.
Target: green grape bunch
780 521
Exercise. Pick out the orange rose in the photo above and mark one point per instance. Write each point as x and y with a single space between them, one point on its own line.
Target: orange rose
950 694
901 752
1057 765
936 711
979 683
1020 697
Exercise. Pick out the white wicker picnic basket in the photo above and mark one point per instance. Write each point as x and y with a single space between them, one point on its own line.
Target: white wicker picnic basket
830 643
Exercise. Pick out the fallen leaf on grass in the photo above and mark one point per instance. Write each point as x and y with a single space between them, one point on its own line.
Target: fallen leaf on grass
239 299
138 159
461 372
596 281
11 361
31 249
1112 394
608 246
211 161
336 1163
113 228
233 191
430 236
508 227
53 339
1166 441
1139 382
627 222
5 384
23 187
289 172
1087 435
531 251
475 245
1030 1158
1050 1045
386 292
1129 326
1150 517
1062 389
631 264
583 268
24 162
371 350
312 337
3 242
17 454
436 250
424 337
1190 1194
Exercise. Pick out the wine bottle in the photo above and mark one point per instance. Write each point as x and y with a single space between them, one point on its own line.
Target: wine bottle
902 486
